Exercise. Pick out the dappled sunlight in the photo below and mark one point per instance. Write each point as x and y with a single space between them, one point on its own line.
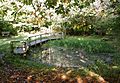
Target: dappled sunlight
8 40
80 39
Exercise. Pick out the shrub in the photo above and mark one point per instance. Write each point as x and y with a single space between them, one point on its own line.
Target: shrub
6 26
27 28
79 25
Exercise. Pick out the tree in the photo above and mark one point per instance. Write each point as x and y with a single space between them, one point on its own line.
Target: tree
79 13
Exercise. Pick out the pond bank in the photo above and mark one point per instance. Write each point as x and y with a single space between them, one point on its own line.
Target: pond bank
92 54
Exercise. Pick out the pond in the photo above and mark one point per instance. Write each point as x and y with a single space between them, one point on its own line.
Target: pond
60 56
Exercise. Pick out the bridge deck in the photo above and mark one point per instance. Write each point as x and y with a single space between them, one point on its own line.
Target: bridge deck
37 42
32 43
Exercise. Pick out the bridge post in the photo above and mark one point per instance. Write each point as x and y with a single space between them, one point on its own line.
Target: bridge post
35 40
28 40
50 36
40 38
11 46
25 46
62 35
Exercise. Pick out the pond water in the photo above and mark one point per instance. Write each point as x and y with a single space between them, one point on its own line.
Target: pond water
59 56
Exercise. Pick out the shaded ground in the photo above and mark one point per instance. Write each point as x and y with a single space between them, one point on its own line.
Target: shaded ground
10 74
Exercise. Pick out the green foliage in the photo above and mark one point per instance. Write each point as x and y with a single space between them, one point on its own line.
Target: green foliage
116 59
101 28
65 1
89 45
105 70
51 3
47 24
61 10
27 2
79 25
115 25
100 68
110 26
27 28
82 72
6 26
5 48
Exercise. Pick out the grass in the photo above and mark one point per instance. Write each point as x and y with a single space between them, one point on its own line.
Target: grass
90 45
116 59
105 70
25 63
5 42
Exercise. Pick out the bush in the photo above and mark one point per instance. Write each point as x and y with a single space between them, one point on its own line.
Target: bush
27 28
79 25
85 30
6 26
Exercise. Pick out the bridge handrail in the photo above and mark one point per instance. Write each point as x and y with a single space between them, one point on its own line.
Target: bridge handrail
40 35
26 43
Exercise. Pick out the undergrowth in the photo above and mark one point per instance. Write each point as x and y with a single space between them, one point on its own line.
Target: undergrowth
87 44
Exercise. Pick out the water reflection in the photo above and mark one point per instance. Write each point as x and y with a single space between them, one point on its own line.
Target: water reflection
59 56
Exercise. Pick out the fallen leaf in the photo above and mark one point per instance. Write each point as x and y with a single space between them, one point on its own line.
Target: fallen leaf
79 79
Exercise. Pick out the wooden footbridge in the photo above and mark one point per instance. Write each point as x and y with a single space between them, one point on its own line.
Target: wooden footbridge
22 46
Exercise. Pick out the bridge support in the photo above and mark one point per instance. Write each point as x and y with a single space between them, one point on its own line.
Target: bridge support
19 47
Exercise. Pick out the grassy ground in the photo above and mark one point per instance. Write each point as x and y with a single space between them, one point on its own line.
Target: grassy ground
5 42
91 46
